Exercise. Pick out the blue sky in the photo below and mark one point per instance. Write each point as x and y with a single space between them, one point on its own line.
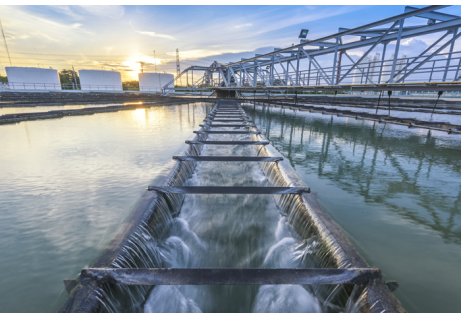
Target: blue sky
116 37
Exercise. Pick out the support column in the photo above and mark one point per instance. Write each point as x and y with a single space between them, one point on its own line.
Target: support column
455 32
397 47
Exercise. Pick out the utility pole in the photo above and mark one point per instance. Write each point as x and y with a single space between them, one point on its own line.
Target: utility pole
6 45
178 70
155 63
75 77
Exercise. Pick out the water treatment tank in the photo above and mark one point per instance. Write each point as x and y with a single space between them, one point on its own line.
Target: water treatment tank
100 80
154 82
23 78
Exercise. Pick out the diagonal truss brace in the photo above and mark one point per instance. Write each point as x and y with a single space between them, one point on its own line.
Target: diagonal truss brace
318 67
261 73
360 69
430 57
422 54
369 50
233 74
249 77
286 71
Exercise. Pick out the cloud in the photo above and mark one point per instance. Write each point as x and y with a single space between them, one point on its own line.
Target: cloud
48 37
114 12
301 17
16 35
67 10
62 26
153 34
201 53
157 35
243 25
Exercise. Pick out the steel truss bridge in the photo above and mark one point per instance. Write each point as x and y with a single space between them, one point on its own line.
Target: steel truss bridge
325 64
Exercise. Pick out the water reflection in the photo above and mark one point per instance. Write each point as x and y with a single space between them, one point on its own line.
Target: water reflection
393 190
370 159
66 185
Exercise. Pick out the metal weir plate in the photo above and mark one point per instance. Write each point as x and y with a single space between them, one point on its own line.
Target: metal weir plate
229 190
228 158
230 276
229 142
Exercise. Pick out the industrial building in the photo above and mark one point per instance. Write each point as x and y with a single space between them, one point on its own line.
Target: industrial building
154 82
25 78
100 80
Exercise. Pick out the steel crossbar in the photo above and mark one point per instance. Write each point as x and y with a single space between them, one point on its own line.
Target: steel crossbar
229 142
227 132
242 190
213 120
226 125
230 276
228 158
227 117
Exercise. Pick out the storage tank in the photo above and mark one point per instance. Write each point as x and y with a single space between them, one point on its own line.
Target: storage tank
24 78
154 82
100 80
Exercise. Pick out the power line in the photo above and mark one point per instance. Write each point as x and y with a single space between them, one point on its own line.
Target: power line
6 45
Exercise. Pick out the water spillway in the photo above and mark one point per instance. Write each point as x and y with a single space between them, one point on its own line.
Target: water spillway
229 227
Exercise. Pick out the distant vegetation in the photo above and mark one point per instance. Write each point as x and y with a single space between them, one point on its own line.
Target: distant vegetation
131 85
67 77
3 79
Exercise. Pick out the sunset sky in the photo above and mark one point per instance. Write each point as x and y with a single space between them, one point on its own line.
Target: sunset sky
117 37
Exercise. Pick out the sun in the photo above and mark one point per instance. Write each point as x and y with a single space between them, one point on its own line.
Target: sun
133 64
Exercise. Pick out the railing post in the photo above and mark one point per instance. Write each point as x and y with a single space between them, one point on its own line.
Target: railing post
334 62
271 80
447 66
297 66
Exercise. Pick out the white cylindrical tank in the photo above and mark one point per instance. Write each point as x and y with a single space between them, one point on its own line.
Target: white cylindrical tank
23 78
154 82
100 80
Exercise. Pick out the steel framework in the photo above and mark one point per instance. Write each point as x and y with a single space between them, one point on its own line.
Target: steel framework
315 65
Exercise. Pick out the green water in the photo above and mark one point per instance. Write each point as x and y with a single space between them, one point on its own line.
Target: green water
67 184
395 192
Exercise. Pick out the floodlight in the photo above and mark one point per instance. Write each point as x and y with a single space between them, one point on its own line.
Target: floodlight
303 33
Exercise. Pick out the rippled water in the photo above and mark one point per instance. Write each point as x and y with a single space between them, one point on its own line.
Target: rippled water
394 191
67 184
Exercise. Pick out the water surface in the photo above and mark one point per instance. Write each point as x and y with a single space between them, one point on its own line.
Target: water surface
67 184
394 191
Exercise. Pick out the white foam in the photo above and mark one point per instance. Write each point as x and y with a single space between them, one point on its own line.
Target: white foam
176 253
169 299
285 298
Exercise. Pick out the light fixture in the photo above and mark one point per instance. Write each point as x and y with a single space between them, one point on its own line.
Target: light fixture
303 33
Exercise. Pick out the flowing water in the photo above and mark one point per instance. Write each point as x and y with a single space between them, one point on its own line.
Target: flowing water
222 231
68 184
395 192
